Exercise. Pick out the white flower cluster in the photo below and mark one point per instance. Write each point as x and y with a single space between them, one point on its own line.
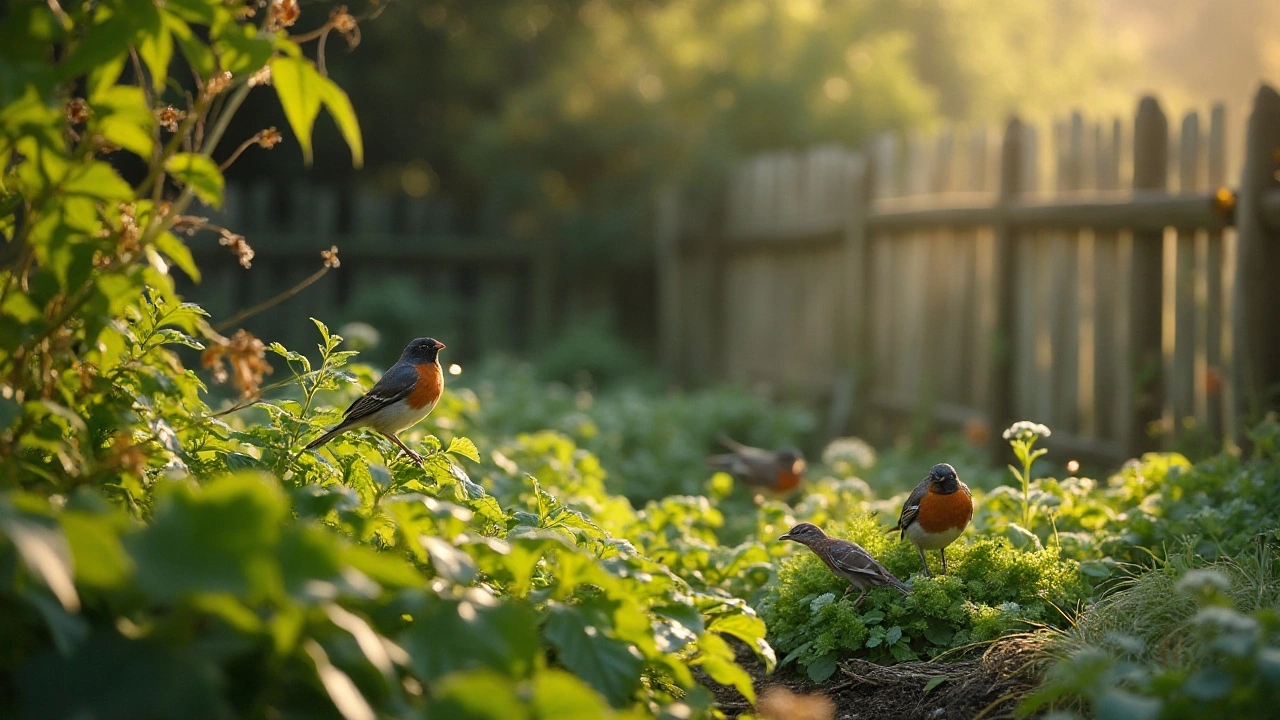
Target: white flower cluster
851 450
822 601
1026 430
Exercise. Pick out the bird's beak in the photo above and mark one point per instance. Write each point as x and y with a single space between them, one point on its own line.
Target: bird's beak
440 345
784 536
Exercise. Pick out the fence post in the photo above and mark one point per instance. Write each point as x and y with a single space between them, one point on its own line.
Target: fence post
1255 325
667 242
853 388
1146 275
1003 249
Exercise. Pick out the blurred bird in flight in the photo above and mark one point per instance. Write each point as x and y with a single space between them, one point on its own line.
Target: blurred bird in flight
405 394
779 470
846 559
936 513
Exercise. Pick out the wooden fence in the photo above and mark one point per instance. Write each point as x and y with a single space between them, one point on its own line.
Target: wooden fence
404 269
1097 277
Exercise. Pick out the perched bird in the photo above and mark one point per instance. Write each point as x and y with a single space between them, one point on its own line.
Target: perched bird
936 513
405 394
846 559
780 470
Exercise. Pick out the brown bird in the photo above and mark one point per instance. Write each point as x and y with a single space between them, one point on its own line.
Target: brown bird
778 470
846 559
936 513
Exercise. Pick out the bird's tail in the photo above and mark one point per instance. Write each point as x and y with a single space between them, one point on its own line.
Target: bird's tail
892 530
341 428
730 443
897 584
720 461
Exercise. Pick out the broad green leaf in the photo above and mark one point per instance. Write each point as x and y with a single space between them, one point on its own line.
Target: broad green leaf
717 659
100 559
199 56
822 668
610 666
452 635
450 562
560 696
476 695
299 86
199 172
97 180
187 548
105 43
339 105
43 549
156 45
179 253
120 114
240 49
346 697
935 682
464 447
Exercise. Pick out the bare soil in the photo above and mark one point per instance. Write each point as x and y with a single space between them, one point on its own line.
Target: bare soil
989 686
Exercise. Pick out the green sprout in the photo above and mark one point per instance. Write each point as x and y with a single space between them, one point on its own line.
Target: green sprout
1022 438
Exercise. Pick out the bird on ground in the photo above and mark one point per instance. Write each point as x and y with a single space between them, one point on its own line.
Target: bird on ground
936 513
779 470
846 559
401 398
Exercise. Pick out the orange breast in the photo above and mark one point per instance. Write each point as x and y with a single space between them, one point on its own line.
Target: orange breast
430 385
939 513
787 480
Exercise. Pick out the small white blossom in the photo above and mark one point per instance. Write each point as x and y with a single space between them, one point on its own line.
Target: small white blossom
851 450
1026 430
822 601
1010 607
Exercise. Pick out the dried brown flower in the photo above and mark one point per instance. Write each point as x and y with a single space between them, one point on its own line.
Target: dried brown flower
330 257
245 354
103 145
127 238
238 246
779 703
269 138
169 117
77 111
345 23
261 77
282 14
217 83
127 456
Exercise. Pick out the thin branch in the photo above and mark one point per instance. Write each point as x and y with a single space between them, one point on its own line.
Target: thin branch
268 304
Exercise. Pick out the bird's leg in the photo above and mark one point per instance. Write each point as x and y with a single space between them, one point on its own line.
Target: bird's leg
864 594
413 455
848 589
924 561
943 554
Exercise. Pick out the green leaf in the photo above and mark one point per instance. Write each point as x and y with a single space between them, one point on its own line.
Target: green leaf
239 49
43 549
100 559
179 253
717 659
610 666
450 562
156 47
199 172
464 447
121 115
935 682
557 695
339 105
342 691
299 87
476 695
187 548
199 56
822 668
452 635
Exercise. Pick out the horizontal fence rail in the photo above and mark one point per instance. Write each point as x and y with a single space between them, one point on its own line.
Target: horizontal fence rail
1101 278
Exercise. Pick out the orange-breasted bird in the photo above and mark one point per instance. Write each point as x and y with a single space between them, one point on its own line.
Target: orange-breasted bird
779 470
846 559
936 513
401 398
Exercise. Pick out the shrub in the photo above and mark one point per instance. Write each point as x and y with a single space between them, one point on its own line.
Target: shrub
993 589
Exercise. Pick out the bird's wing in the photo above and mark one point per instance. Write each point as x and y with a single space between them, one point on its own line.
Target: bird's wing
393 386
911 507
746 451
850 557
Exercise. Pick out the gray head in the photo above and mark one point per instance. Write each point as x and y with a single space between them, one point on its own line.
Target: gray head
789 457
804 533
944 479
422 350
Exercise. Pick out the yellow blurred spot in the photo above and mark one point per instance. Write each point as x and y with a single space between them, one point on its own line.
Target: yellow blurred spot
724 99
455 369
650 88
579 102
1073 467
417 179
837 89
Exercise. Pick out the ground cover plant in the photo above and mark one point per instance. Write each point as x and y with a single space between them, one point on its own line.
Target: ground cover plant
168 550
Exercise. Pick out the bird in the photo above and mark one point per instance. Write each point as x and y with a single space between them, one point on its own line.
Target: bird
936 513
846 559
401 398
779 470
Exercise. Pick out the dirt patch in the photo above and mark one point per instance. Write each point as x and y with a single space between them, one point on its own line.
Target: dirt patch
988 686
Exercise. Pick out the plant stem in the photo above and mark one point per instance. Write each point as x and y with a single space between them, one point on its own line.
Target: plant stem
268 304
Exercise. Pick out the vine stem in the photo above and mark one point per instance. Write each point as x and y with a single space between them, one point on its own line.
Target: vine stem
268 304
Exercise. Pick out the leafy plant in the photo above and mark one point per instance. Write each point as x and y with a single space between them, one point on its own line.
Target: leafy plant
1022 438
